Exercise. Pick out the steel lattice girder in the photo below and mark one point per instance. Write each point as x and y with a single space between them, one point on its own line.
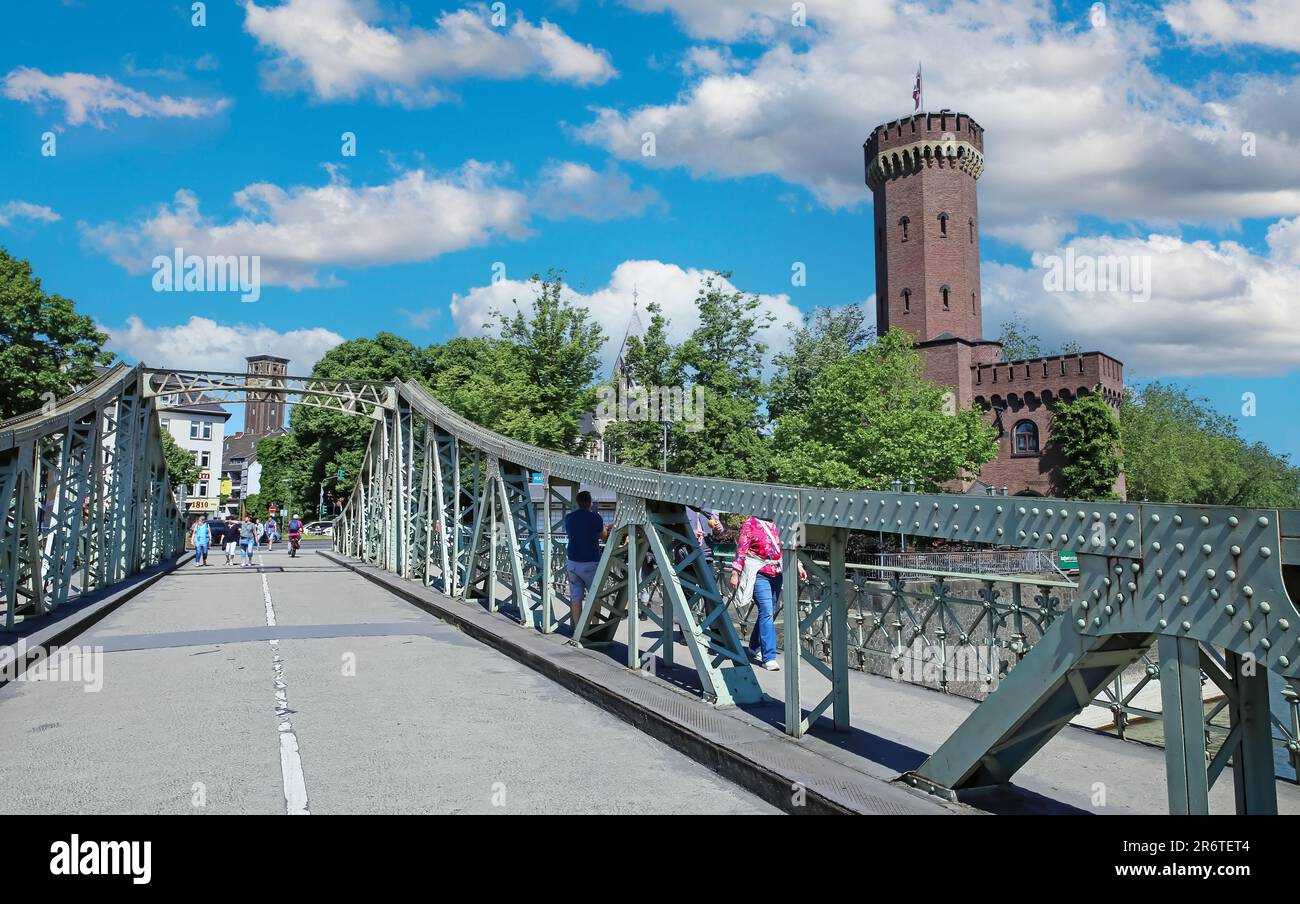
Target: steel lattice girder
85 493
345 396
1213 576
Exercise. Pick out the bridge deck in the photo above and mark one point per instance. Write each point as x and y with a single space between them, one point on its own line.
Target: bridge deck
895 726
430 722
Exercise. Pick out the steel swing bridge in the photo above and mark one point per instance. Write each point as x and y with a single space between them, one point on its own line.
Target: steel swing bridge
1206 592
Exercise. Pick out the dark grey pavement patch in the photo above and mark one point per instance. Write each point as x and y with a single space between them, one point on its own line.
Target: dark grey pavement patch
114 643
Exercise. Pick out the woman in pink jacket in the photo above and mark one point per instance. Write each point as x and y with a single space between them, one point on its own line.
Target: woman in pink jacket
759 540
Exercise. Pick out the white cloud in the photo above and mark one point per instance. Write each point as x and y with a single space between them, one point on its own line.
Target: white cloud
568 189
672 287
204 344
89 98
301 230
733 20
1270 23
21 210
1077 123
1214 308
340 49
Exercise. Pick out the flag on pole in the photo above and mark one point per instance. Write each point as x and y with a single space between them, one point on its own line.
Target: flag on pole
916 92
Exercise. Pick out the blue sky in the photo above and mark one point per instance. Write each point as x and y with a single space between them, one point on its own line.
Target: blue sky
516 145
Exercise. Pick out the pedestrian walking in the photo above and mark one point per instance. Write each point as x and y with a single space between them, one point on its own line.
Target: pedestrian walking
232 539
247 540
202 540
758 559
585 530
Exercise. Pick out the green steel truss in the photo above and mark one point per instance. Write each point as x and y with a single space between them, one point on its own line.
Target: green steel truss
345 396
445 501
86 497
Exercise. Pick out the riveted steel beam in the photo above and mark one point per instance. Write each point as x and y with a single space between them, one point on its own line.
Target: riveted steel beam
1221 577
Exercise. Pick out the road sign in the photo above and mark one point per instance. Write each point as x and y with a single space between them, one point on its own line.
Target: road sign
270 509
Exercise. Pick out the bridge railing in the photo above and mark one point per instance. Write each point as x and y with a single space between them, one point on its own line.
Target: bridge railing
444 501
86 497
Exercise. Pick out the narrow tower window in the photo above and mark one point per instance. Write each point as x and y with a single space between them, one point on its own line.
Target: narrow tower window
944 290
943 225
972 230
972 303
903 222
907 301
880 238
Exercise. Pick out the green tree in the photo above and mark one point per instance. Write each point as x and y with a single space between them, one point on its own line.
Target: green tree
182 469
1018 345
1086 432
652 360
827 336
325 441
724 355
287 478
1180 449
872 417
546 363
47 349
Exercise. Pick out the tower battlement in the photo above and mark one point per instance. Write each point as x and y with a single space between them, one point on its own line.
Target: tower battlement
905 146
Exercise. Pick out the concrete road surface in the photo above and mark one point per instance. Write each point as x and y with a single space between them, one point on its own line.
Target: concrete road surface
311 690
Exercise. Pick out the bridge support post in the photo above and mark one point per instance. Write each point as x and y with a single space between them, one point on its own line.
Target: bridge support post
839 605
633 619
1184 725
793 651
1253 773
548 585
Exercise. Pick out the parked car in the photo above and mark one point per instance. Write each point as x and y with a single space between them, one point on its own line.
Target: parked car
319 527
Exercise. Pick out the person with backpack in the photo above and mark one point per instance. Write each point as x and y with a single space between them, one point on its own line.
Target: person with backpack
295 534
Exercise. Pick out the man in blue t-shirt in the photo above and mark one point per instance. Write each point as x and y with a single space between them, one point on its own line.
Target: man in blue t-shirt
585 530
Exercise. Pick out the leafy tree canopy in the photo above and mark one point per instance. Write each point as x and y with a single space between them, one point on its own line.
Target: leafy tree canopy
182 469
1180 449
47 349
872 418
827 336
1086 432
724 358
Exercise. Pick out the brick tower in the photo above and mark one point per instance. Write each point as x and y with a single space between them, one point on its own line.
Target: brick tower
264 414
922 172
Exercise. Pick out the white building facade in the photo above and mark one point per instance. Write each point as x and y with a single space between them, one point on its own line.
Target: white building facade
200 428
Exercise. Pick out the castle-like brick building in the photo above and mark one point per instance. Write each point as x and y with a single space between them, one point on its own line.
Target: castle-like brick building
922 172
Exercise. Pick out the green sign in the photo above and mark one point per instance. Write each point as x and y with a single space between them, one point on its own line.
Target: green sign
1067 560
340 473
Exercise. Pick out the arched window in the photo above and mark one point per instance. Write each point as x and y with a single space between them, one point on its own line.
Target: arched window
944 291
973 305
972 230
943 225
907 301
1025 438
903 222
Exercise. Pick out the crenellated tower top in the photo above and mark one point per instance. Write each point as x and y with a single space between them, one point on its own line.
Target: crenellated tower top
926 139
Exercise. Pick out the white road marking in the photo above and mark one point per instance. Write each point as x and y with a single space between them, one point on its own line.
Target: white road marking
295 783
